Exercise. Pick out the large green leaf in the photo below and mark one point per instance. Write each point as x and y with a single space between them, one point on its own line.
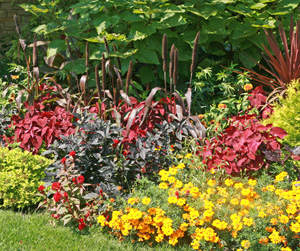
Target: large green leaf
240 9
56 46
170 20
258 6
204 12
139 31
147 56
242 30
34 8
146 75
76 65
104 22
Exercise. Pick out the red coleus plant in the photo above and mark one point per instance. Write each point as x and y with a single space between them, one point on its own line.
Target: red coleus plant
241 145
40 126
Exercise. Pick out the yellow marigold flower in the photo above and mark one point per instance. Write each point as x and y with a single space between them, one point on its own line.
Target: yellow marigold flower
212 171
246 192
163 185
219 224
159 238
195 244
245 244
291 209
208 213
234 202
281 176
211 191
252 182
262 214
234 234
15 77
283 219
133 201
238 185
172 179
173 241
275 237
273 221
194 190
201 116
211 183
286 249
263 240
178 184
194 214
181 166
248 221
248 87
185 216
167 230
172 200
222 106
229 182
295 227
245 202
184 226
163 173
173 171
181 202
188 155
146 201
152 211
102 220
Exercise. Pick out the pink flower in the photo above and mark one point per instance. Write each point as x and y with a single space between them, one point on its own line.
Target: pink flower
80 179
55 186
57 197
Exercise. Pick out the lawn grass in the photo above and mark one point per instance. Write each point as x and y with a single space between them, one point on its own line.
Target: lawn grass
39 232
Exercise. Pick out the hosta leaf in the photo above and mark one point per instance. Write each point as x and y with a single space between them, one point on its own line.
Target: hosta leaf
258 6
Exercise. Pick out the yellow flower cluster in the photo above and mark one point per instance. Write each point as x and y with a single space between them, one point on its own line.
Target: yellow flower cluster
207 213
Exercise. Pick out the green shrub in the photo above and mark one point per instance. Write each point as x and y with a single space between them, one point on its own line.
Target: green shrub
20 175
286 114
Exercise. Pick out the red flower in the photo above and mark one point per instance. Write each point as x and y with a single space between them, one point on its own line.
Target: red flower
41 188
72 154
57 197
177 194
75 181
116 142
81 226
66 195
55 186
125 153
80 179
63 160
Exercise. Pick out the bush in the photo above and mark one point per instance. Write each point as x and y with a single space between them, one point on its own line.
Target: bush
20 175
211 211
287 114
242 145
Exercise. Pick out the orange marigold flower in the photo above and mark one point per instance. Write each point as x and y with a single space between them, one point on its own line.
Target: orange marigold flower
245 244
263 240
15 77
248 87
201 116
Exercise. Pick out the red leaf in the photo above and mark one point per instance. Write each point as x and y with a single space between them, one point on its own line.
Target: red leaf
279 132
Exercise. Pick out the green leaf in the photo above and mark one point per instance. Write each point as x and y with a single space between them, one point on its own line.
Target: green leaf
56 46
146 75
104 22
139 31
204 12
147 56
242 30
171 20
34 8
240 9
77 65
123 55
258 6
